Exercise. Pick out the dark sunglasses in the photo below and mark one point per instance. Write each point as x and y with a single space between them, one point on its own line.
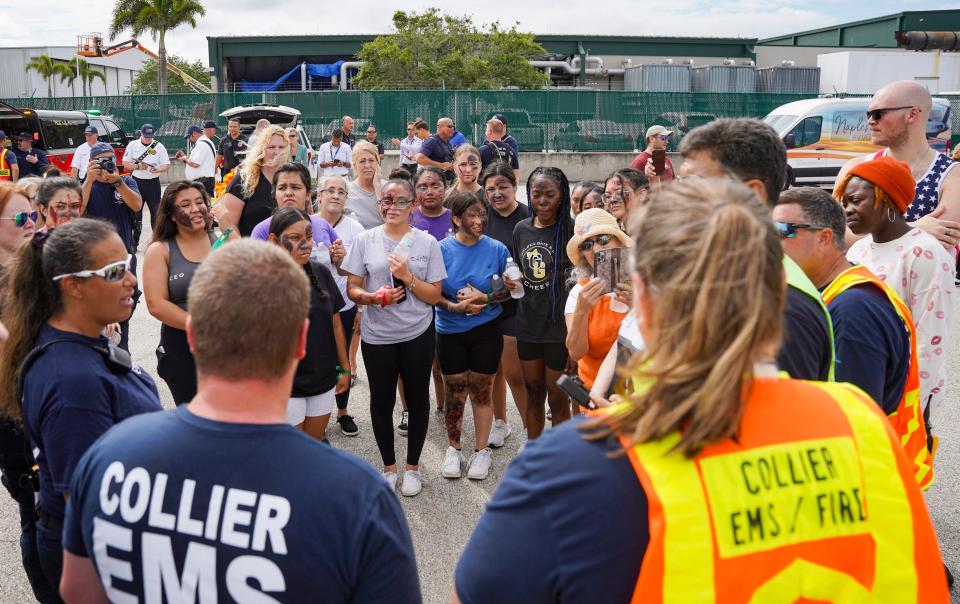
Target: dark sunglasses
20 218
788 230
877 114
587 245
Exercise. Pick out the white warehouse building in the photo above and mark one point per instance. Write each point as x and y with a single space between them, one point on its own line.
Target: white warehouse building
17 82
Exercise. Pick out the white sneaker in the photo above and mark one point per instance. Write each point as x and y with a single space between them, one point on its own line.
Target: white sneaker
391 478
452 463
479 464
499 433
412 485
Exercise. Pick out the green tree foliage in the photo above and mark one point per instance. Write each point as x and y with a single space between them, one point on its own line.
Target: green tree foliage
145 81
48 68
80 69
157 17
433 49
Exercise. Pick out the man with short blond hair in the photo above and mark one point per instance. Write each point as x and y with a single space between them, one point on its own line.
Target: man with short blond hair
242 506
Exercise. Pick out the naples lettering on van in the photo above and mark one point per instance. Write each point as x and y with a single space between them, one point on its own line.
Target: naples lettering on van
851 125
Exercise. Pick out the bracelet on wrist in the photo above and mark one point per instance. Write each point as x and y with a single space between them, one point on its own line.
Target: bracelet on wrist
342 371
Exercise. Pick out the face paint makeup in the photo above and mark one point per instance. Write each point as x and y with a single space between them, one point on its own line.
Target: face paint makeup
182 217
286 243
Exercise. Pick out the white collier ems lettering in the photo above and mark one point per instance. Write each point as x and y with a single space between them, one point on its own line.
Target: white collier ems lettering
238 518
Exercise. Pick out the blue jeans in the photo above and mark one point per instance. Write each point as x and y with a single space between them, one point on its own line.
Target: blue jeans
50 550
43 591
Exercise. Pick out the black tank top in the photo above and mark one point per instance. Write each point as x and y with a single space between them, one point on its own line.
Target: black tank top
181 272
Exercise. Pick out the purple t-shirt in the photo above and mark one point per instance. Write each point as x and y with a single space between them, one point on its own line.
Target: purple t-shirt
322 231
438 226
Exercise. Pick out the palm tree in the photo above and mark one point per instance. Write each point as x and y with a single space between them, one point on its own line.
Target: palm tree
47 68
80 68
156 17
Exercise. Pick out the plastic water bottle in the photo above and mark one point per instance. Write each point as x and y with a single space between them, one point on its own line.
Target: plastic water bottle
402 251
513 271
320 253
496 285
221 238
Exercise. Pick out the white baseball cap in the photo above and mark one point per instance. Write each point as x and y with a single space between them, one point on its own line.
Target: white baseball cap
657 130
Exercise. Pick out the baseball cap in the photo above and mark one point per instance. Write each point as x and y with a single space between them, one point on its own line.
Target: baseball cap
3 135
100 148
499 117
90 130
657 131
210 124
25 135
191 129
147 130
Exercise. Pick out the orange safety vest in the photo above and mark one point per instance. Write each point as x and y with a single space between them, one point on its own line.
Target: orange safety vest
907 420
811 501
5 171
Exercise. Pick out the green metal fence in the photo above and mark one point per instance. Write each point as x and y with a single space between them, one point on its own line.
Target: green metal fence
540 120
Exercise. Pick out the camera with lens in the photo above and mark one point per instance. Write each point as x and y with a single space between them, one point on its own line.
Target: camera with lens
107 164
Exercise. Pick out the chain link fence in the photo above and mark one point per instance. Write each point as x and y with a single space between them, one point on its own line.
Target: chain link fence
540 120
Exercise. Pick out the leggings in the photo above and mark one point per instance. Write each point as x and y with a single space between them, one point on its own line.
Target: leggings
175 364
411 360
347 317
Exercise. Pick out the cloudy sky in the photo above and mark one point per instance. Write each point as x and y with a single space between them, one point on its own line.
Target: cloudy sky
57 22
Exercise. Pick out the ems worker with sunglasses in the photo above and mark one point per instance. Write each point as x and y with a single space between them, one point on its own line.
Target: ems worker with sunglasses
66 286
593 316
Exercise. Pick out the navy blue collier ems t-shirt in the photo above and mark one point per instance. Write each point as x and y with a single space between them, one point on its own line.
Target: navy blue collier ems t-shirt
174 507
70 398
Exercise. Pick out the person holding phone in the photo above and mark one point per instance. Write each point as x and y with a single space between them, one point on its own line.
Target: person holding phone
644 501
335 156
538 248
592 320
325 370
395 271
653 160
469 342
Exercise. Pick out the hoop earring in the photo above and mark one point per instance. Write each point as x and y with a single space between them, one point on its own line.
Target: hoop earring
891 215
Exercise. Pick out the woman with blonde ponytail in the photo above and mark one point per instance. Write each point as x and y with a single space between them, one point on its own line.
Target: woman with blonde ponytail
719 479
249 200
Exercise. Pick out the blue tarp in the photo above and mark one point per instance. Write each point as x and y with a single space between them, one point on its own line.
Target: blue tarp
316 70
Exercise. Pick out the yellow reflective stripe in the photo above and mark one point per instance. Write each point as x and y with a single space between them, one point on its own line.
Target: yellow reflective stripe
805 579
889 516
687 538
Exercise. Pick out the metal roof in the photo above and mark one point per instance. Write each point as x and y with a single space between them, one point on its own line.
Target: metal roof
871 33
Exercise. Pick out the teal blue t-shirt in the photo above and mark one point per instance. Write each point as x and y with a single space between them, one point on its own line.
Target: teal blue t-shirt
473 265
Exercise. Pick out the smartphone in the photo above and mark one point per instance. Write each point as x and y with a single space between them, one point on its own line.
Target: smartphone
576 390
659 161
609 266
399 283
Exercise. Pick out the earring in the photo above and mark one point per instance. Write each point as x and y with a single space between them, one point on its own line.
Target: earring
891 214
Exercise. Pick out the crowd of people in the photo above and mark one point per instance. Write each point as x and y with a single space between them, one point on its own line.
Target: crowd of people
658 308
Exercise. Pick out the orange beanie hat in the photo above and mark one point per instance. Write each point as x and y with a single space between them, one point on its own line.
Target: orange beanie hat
893 176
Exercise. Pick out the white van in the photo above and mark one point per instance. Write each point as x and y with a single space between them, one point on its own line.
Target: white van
822 134
277 115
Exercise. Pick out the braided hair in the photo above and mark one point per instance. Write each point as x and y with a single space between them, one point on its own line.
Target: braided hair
558 288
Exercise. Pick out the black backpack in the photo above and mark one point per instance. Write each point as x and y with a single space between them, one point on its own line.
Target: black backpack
502 152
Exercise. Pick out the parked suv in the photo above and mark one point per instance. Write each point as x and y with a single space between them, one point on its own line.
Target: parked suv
278 115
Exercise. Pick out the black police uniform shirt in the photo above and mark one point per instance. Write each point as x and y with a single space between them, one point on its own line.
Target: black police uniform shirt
31 169
107 203
540 311
70 398
229 148
174 507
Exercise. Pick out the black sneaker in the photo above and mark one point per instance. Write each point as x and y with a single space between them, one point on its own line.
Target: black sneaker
403 427
347 425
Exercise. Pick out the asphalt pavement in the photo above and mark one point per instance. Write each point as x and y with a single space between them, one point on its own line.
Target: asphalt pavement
442 517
